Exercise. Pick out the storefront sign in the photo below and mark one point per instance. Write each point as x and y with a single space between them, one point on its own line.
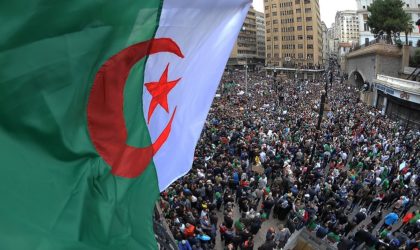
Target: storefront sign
385 89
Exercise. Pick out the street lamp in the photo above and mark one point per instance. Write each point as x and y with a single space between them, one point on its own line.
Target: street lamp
246 77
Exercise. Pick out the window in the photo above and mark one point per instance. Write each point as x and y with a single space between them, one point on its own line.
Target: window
299 19
300 37
308 19
298 11
275 30
268 30
308 27
299 27
310 37
297 1
274 13
273 6
310 46
300 55
276 47
275 21
307 10
268 47
267 15
276 38
307 1
365 27
364 7
300 46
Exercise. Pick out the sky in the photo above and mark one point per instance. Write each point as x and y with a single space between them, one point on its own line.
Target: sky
328 8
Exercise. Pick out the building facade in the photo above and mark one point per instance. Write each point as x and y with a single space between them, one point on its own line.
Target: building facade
260 20
293 33
245 50
332 41
325 44
412 7
347 27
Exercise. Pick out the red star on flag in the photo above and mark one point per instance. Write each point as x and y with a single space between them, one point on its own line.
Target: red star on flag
159 91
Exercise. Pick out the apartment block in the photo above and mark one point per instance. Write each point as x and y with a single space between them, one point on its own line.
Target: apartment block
293 33
249 49
347 27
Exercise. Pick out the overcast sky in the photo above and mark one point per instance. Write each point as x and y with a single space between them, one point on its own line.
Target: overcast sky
328 8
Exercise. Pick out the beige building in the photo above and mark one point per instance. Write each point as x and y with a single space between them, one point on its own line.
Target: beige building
247 50
325 44
260 36
293 33
332 41
347 27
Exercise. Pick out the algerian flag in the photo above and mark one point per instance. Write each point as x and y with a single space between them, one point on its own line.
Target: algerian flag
403 165
102 104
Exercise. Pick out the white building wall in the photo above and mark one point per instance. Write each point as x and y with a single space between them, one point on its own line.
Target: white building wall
347 26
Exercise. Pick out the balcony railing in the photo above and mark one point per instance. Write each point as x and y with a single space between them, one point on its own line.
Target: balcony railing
376 41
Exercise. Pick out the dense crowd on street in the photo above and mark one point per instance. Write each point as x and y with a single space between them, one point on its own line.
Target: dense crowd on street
253 164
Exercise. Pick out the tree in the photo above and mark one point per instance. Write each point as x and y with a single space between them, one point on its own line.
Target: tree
388 16
408 29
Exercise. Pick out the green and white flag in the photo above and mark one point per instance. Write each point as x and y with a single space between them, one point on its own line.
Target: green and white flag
101 106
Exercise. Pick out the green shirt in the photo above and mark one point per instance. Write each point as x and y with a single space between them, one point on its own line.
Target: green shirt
383 234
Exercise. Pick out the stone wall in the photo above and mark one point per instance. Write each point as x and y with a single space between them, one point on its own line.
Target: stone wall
388 65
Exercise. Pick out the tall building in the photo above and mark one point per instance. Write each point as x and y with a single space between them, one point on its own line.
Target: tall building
260 36
247 49
325 43
293 33
332 41
347 26
412 7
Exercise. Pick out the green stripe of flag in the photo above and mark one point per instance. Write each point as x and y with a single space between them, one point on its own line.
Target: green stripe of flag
56 191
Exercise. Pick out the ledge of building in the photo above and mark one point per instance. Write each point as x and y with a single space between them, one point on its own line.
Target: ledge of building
408 86
294 69
377 48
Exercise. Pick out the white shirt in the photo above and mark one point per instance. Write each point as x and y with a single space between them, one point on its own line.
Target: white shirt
262 182
263 157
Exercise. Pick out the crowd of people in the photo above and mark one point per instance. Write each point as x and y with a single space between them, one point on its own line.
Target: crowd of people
262 160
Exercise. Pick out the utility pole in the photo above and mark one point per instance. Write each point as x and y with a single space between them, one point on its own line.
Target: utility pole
318 131
246 77
246 69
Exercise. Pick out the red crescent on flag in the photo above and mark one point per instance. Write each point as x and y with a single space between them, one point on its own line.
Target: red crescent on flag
105 113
